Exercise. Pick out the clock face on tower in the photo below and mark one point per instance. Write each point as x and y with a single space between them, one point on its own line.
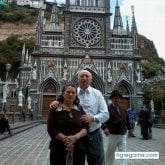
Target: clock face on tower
87 31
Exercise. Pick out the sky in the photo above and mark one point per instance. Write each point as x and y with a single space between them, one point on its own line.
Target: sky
150 19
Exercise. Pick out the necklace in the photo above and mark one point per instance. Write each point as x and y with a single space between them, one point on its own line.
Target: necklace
68 108
70 115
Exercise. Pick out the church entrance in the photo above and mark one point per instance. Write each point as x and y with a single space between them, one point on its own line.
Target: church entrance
49 95
124 91
46 104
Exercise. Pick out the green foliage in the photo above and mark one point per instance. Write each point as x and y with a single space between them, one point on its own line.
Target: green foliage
158 95
150 70
10 52
19 15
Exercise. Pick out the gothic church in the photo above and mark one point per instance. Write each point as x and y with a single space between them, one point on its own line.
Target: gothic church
85 41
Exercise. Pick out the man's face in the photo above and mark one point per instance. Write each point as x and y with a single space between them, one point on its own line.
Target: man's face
84 79
116 100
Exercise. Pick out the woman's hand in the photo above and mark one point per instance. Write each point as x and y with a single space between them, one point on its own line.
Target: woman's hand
69 142
69 147
70 139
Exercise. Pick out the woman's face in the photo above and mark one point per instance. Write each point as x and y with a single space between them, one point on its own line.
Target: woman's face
69 94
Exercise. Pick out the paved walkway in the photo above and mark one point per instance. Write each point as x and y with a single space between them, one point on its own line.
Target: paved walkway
31 147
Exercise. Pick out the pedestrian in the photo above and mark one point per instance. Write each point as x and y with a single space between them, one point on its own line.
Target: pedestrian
66 130
23 113
4 124
31 114
151 122
132 117
115 128
144 121
96 110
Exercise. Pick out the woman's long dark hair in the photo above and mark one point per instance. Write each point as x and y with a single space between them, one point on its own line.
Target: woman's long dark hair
61 98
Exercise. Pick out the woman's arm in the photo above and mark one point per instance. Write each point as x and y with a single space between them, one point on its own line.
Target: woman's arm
73 138
51 129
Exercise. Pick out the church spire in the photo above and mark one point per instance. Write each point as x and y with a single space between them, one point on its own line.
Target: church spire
54 22
39 28
127 26
118 24
134 29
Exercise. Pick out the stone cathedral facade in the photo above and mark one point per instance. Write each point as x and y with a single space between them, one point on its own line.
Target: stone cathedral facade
85 41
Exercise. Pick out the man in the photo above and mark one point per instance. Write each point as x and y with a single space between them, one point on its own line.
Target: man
144 118
115 128
96 110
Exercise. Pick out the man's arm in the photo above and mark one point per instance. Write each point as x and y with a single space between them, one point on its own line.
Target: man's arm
103 114
54 104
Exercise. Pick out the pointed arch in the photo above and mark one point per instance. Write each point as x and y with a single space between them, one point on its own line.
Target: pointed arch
96 81
49 90
128 88
127 91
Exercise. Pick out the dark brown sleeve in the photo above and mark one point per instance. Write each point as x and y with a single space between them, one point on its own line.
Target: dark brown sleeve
51 127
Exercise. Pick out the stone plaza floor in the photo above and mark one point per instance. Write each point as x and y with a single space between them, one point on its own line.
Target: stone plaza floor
31 147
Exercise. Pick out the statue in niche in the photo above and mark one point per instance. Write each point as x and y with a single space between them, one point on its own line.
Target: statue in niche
34 73
20 98
130 71
29 102
65 74
5 92
138 73
109 76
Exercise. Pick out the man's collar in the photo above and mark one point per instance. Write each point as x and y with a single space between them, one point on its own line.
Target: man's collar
87 90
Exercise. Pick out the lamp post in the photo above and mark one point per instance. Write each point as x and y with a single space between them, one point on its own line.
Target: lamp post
152 101
5 88
161 95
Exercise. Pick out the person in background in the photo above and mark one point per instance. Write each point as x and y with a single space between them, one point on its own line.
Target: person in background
31 115
23 113
96 110
66 130
132 117
115 128
4 124
144 118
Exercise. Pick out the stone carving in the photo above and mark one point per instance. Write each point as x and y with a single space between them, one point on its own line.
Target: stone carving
29 102
138 73
5 92
20 98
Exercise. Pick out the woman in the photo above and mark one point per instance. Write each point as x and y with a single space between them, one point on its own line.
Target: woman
66 130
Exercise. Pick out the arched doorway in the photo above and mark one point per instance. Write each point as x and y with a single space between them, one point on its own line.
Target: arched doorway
49 94
124 91
96 81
